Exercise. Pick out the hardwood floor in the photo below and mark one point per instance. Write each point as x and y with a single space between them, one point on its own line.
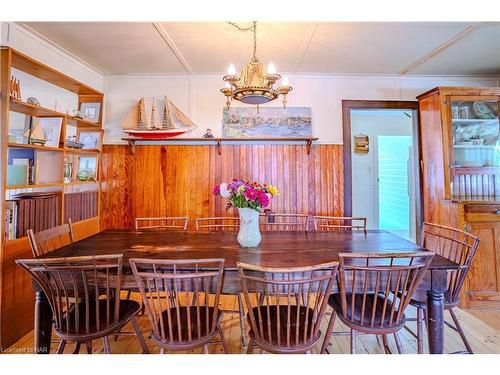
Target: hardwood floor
484 336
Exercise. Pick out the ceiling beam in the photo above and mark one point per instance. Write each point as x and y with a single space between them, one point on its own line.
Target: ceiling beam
173 47
440 49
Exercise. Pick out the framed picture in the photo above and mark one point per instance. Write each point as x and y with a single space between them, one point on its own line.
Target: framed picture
87 168
90 111
52 128
91 139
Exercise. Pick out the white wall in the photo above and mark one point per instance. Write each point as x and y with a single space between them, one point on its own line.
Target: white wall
199 98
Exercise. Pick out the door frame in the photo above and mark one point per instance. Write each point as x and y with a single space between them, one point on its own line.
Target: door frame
347 106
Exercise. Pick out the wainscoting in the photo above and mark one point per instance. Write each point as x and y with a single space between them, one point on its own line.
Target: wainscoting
177 180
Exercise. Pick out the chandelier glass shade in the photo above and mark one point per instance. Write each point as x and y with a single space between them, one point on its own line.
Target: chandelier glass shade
253 85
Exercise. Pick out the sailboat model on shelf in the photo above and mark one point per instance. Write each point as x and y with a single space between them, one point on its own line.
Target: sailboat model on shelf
36 135
173 123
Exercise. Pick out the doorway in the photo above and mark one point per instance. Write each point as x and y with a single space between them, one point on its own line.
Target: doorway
384 180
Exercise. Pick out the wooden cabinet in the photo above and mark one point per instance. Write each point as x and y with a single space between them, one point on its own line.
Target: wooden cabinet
460 166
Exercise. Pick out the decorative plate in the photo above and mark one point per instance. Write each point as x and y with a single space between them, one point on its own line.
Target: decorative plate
483 111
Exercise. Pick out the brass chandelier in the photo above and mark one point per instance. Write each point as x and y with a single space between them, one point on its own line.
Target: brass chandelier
252 86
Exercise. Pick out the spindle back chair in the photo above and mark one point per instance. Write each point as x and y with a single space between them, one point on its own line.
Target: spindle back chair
339 223
182 300
50 239
224 224
374 291
284 222
172 223
455 245
460 247
83 293
286 305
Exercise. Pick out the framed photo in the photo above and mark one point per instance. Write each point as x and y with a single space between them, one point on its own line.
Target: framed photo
87 168
90 111
91 139
52 128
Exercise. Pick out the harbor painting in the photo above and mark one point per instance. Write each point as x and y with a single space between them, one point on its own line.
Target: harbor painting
267 122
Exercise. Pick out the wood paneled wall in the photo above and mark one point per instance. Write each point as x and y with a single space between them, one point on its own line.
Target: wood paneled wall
177 180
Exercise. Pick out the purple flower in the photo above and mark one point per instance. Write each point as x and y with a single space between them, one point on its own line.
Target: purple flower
216 190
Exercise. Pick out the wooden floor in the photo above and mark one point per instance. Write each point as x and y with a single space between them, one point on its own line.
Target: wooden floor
483 335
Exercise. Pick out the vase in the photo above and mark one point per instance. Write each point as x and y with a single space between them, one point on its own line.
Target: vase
249 234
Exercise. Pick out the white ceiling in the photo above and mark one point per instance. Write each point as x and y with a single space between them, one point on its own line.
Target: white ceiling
347 48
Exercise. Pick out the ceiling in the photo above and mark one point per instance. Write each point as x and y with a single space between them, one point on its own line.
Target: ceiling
445 48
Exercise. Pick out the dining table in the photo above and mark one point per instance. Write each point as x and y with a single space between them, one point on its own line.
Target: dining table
277 249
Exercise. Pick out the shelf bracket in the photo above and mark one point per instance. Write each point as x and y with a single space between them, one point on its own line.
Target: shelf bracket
219 148
308 146
131 143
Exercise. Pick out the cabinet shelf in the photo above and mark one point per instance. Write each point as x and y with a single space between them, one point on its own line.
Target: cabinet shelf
35 186
81 151
81 123
459 121
33 110
34 147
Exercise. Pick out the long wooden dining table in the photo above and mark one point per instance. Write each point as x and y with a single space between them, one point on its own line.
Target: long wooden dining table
277 249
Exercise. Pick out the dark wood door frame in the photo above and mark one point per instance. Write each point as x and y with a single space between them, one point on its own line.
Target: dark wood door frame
347 106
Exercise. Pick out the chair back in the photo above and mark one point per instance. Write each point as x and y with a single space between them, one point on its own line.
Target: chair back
455 245
81 292
339 223
50 239
173 223
376 288
223 224
284 222
286 305
181 298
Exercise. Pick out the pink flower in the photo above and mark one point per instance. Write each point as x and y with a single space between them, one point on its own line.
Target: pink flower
216 190
251 194
263 199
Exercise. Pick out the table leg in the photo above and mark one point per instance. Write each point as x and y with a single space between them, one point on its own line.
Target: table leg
43 324
435 312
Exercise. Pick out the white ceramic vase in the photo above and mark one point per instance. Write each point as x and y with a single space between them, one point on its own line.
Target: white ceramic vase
249 234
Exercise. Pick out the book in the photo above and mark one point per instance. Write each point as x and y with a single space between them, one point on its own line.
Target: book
17 175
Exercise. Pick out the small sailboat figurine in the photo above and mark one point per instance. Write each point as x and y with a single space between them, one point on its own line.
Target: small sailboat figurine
173 123
36 135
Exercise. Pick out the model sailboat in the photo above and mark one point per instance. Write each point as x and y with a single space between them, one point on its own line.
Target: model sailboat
36 135
173 123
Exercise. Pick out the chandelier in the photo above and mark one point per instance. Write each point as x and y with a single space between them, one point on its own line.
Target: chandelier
252 86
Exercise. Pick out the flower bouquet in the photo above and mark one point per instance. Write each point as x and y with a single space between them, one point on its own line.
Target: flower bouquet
249 198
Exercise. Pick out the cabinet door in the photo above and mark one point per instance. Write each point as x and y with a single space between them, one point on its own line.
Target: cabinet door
483 286
474 143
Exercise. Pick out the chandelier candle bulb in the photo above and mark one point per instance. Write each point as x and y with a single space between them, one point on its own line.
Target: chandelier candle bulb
231 70
284 81
271 69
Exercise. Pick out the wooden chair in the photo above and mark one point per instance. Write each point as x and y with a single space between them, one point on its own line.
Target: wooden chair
374 290
286 305
182 301
284 222
224 224
82 293
50 239
173 223
339 223
460 247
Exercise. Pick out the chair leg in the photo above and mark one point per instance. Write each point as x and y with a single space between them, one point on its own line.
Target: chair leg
223 339
387 349
353 341
77 348
60 348
460 331
328 333
162 350
107 348
241 313
205 349
250 347
139 335
398 343
89 347
420 331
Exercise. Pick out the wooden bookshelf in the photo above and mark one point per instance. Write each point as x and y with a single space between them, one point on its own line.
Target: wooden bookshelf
14 322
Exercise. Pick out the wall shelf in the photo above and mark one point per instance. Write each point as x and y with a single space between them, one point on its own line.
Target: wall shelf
34 147
132 141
